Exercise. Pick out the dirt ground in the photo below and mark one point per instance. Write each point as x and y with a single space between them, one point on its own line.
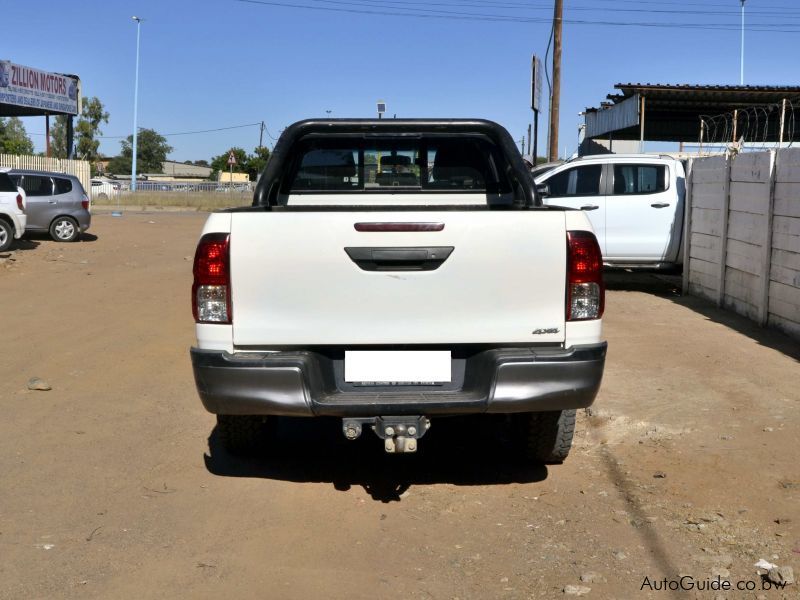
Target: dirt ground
112 484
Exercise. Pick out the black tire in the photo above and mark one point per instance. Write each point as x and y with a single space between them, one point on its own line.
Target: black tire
548 435
102 196
242 434
64 229
6 235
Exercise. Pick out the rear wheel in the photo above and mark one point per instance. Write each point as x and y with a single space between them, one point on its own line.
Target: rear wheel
547 436
6 235
64 229
242 434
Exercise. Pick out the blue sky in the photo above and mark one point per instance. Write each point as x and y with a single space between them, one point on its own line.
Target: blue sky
216 63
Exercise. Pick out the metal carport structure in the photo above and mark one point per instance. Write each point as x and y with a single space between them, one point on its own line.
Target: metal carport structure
689 113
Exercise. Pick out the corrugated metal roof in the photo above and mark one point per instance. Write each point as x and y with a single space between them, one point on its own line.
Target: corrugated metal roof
695 86
673 111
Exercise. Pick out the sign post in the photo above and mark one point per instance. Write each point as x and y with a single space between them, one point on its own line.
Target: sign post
536 96
231 162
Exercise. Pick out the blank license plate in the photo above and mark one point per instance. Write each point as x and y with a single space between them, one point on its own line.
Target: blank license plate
401 366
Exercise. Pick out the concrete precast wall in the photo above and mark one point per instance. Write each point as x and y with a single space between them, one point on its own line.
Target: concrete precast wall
80 168
743 232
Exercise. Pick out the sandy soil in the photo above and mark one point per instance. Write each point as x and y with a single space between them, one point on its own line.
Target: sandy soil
112 484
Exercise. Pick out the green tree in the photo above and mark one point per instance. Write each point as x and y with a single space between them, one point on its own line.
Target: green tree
58 137
88 128
120 165
13 137
257 161
151 152
220 163
252 164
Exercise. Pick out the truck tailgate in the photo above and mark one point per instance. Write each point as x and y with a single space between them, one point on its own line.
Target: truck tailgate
293 282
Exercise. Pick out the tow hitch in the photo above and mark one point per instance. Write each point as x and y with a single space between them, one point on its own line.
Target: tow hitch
399 434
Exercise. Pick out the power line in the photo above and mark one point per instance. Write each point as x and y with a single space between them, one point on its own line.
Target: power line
547 6
120 137
341 6
110 137
511 5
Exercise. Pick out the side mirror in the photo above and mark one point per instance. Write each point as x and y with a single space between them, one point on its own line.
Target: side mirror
543 190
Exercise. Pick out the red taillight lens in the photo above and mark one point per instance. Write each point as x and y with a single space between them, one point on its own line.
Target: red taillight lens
585 289
85 202
211 297
20 203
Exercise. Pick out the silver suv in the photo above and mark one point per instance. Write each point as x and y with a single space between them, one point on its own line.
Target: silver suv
56 203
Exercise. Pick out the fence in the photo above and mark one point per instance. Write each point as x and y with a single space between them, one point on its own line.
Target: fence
743 233
187 186
79 168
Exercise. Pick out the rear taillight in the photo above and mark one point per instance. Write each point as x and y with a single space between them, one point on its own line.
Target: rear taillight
585 289
20 203
85 202
211 292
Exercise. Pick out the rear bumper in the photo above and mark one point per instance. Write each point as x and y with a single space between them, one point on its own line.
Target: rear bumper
308 383
20 222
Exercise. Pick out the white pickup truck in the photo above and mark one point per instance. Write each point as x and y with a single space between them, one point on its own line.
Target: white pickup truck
391 271
635 203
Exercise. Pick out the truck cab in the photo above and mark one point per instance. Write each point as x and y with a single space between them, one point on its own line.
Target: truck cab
635 203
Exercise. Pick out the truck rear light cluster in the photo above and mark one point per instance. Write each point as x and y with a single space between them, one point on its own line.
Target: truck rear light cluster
211 291
585 289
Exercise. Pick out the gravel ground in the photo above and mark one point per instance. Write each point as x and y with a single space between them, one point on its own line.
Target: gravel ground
113 484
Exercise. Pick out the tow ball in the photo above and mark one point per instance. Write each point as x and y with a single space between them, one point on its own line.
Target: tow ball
399 434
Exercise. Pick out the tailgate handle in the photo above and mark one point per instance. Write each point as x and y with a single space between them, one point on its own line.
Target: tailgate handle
660 205
425 258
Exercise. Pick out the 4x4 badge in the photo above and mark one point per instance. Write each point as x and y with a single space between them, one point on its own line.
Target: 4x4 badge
545 331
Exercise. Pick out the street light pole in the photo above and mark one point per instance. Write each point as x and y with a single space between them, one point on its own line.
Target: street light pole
135 105
741 63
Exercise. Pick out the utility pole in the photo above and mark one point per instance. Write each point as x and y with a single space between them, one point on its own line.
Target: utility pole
261 135
555 99
529 139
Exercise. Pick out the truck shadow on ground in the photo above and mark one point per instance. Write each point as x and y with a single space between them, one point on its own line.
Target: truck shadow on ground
458 450
669 286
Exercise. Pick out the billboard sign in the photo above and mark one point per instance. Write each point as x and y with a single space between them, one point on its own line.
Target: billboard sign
536 82
38 90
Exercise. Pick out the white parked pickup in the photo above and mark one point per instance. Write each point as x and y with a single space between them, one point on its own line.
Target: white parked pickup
390 271
635 203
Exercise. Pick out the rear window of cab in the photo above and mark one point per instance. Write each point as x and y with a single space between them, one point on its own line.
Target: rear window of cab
462 164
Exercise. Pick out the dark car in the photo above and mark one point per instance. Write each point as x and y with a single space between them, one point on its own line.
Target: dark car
56 203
